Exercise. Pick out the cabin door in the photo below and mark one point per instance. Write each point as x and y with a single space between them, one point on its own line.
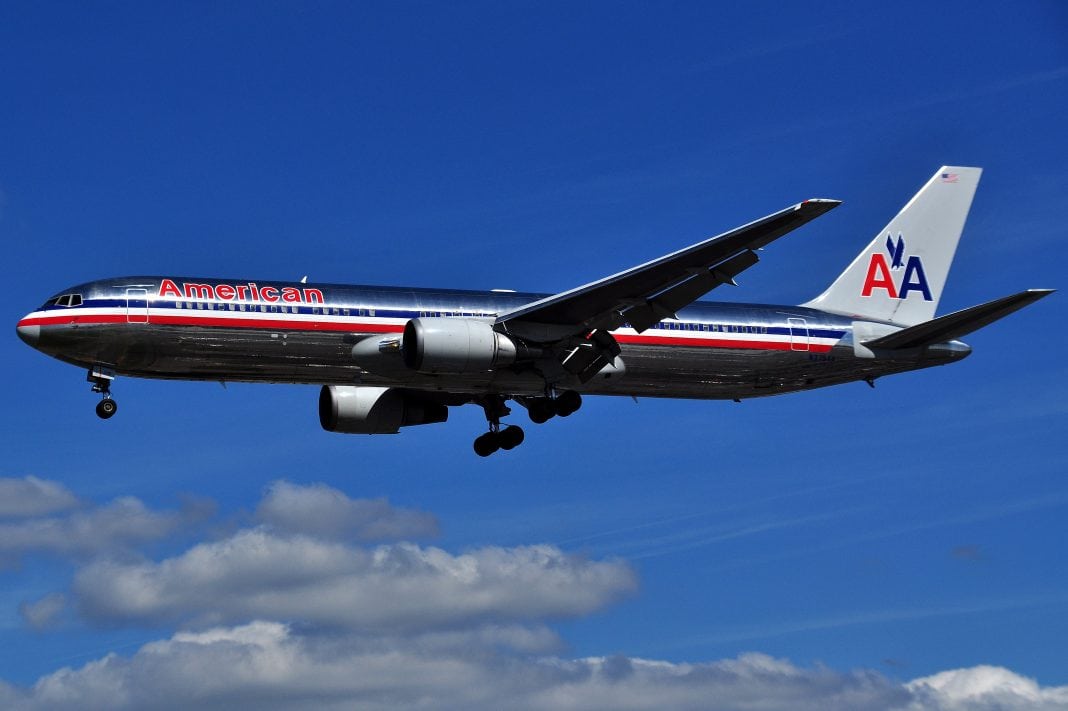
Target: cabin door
137 305
798 334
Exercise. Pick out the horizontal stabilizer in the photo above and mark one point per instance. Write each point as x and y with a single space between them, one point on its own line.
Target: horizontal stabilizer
960 323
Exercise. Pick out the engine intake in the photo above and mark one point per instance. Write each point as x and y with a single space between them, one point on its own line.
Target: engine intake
457 345
363 409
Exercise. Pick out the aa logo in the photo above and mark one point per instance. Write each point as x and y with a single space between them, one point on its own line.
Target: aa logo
881 273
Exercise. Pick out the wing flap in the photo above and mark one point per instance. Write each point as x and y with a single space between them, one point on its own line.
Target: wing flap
958 323
667 303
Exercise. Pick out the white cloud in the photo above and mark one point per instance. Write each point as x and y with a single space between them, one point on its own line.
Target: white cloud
985 688
110 528
257 573
31 496
323 511
267 665
44 612
305 617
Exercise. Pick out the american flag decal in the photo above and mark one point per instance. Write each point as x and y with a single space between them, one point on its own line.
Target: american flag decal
949 177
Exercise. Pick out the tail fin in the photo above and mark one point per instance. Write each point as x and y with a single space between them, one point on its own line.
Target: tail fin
899 276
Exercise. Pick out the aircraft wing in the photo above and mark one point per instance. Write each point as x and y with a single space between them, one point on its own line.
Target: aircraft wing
645 294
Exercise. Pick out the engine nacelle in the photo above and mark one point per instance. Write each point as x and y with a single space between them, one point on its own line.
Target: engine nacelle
363 409
455 345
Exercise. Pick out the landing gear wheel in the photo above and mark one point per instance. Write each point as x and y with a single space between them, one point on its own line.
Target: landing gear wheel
497 438
106 408
510 437
487 444
567 403
541 411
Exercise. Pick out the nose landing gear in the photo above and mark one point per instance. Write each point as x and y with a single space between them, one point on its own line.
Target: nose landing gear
101 380
508 438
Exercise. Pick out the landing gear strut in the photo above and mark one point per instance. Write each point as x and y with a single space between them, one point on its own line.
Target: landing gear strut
497 438
101 380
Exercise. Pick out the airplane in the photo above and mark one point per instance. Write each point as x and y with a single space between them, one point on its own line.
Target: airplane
392 357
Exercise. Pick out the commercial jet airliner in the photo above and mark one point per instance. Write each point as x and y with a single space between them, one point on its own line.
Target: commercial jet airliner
392 357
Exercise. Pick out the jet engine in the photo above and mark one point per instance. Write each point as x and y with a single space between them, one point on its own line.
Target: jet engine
361 409
457 345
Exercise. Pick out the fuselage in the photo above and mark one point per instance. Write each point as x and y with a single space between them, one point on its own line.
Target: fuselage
287 332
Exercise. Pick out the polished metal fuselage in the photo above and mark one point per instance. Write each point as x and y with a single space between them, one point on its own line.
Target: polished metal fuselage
229 330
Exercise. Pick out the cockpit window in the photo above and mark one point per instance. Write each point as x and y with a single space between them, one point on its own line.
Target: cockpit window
65 300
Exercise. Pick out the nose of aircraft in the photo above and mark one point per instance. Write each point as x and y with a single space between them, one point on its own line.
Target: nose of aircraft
29 334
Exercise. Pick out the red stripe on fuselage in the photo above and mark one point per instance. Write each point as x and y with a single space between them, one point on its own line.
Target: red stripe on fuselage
71 318
279 324
721 343
263 323
364 327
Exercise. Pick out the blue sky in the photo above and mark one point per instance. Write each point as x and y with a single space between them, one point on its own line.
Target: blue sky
862 538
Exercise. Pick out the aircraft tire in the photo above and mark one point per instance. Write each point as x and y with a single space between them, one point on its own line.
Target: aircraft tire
511 437
541 411
567 403
487 444
106 408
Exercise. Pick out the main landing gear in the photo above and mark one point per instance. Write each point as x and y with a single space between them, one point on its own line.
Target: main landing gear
508 438
543 409
540 409
101 380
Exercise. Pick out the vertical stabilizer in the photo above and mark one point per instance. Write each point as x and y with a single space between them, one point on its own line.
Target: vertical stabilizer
899 277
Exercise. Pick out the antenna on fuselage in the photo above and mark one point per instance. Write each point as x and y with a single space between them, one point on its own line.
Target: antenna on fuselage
304 279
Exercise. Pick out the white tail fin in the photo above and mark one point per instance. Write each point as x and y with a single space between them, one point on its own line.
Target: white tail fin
899 276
